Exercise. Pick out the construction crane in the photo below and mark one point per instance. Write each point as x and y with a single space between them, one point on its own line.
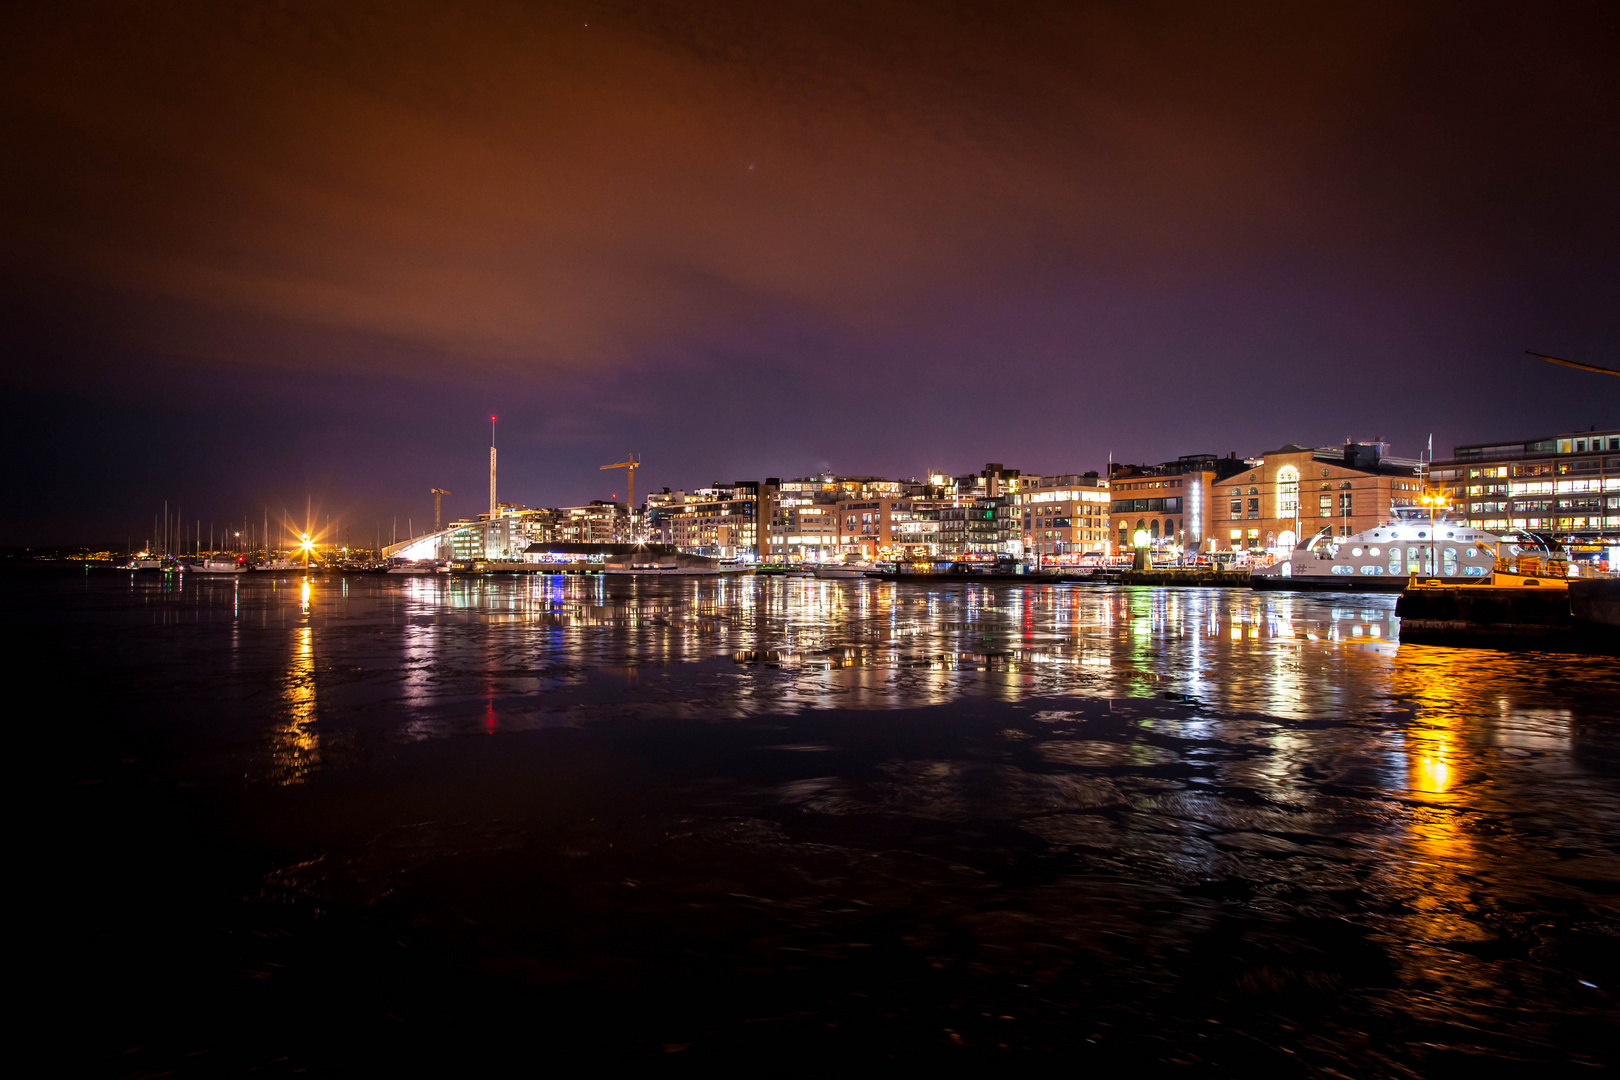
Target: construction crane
1573 363
630 465
436 492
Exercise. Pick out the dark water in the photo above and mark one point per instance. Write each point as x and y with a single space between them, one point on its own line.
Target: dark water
380 821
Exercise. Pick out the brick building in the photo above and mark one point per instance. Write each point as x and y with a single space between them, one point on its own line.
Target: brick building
1295 491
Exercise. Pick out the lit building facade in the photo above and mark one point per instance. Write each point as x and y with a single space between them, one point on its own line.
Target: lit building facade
598 522
1173 502
808 516
719 521
986 527
888 528
1294 492
1062 516
1563 486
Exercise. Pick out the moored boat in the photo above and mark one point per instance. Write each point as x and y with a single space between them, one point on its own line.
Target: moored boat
1387 556
218 564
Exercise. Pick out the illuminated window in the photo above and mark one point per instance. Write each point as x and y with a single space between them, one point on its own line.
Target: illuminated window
1287 492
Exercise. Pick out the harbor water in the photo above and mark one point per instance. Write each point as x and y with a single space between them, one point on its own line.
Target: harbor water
337 823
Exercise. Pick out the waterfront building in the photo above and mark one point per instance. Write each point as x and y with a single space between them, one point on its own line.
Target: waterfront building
720 521
1062 515
465 541
539 526
808 516
986 527
600 521
1173 502
1295 491
1565 486
913 528
803 528
888 528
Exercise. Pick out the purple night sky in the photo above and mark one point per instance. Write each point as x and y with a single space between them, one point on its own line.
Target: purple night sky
258 252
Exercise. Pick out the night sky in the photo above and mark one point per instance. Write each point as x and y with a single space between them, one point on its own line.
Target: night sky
254 253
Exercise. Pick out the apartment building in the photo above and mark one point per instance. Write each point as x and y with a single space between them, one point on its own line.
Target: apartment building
1062 516
1566 487
720 521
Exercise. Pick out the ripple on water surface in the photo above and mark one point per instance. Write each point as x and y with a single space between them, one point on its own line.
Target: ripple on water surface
1199 819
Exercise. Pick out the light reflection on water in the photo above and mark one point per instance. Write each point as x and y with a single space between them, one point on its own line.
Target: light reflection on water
424 656
1280 757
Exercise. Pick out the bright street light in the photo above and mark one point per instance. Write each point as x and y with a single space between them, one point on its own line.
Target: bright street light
1434 500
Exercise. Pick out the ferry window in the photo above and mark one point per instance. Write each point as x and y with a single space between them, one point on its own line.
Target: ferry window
1370 569
1414 560
1473 571
1372 551
1473 553
1394 560
1448 561
1344 569
1356 552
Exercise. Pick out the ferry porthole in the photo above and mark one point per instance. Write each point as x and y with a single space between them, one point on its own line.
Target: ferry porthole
1355 551
1372 551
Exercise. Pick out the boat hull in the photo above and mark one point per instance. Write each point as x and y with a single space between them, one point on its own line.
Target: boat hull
1339 583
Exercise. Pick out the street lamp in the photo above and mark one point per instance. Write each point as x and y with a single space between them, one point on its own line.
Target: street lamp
1434 500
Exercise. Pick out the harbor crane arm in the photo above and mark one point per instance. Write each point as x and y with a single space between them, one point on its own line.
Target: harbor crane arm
1572 363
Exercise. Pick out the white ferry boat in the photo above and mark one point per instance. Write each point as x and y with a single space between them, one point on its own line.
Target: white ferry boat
1387 557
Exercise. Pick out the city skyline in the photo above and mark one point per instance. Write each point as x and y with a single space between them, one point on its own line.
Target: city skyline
255 256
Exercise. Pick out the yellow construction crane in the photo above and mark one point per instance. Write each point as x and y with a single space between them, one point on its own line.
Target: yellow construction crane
630 465
436 492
